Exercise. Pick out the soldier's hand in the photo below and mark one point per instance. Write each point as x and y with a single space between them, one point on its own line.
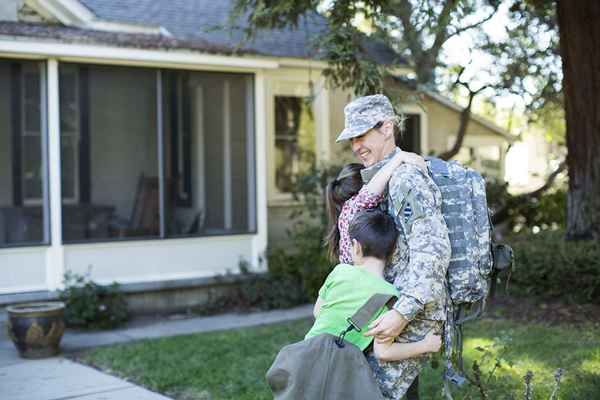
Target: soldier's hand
388 325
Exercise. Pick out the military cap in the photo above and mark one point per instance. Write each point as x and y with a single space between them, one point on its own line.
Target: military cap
363 113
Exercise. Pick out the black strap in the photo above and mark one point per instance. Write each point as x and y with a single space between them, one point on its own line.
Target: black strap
366 312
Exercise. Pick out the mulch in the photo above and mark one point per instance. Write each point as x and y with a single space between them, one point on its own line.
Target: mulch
542 311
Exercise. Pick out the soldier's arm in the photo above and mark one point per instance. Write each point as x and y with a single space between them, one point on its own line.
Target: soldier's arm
422 281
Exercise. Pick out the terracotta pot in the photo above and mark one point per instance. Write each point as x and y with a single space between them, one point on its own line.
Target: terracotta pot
36 328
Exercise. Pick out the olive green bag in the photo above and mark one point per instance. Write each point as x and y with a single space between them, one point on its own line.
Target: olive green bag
328 367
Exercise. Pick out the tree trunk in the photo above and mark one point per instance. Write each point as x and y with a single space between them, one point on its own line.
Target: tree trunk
580 51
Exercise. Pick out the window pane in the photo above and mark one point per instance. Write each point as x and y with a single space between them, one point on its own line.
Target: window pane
208 147
294 140
22 174
410 139
109 152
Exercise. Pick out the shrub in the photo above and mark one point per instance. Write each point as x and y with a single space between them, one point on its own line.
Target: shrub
89 305
548 265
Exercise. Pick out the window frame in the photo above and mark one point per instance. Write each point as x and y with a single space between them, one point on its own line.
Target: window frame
296 83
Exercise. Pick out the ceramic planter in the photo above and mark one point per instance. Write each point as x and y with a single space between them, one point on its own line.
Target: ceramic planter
36 328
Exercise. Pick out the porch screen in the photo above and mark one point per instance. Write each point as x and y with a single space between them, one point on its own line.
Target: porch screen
208 153
149 153
109 152
23 172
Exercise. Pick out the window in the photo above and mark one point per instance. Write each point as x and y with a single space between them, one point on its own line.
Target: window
23 176
410 139
294 140
153 153
490 157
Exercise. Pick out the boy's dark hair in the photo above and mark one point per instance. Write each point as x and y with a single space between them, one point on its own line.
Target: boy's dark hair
376 232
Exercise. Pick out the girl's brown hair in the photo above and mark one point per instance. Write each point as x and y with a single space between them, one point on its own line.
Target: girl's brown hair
340 190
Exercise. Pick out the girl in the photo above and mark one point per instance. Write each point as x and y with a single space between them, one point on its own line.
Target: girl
347 196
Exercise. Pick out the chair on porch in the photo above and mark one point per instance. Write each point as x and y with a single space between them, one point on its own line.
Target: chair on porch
145 214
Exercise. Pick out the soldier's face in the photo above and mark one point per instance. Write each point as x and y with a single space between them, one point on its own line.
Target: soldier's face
370 147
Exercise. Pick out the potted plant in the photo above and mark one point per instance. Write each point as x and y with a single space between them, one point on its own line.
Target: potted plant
36 328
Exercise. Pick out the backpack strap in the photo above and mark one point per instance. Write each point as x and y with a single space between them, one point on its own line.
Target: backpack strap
437 166
365 313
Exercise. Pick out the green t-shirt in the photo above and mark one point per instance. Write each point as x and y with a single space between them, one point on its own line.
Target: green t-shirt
345 290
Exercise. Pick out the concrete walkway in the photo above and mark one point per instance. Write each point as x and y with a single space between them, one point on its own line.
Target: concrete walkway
58 378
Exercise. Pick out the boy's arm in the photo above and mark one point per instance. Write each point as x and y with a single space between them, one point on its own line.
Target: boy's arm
317 307
391 351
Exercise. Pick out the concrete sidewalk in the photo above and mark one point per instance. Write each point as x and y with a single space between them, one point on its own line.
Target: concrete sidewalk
58 378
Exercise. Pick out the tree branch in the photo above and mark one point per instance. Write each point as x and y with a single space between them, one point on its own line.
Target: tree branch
458 31
465 116
501 214
442 24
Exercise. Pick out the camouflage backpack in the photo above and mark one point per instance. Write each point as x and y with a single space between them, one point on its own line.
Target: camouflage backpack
472 261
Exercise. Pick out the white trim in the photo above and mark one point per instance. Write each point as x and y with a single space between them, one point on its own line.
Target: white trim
226 114
199 155
424 124
73 13
130 56
250 154
23 289
322 122
160 140
158 278
456 107
291 62
68 12
259 243
402 70
55 262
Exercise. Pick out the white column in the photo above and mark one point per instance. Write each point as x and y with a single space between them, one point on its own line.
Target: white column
259 243
322 123
424 132
55 260
227 205
250 151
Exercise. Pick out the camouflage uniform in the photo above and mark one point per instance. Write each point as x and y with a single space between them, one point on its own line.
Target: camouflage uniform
417 269
420 261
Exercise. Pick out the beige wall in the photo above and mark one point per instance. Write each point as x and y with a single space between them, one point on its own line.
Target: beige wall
444 123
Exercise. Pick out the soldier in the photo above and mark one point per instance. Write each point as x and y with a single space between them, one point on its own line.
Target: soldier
420 261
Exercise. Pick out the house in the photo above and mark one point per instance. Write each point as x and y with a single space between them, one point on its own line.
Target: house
140 144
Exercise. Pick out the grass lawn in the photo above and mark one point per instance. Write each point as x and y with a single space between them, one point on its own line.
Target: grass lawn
232 364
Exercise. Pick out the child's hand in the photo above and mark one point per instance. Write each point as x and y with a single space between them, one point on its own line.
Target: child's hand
410 158
432 342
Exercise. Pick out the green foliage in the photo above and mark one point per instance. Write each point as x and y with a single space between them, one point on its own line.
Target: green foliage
232 364
414 29
548 265
527 62
93 306
280 287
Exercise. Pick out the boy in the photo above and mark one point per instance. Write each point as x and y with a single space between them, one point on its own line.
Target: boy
348 287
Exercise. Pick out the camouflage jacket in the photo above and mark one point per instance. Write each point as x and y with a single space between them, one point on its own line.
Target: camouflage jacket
420 261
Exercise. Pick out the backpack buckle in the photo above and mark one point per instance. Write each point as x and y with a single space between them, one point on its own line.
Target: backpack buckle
454 377
339 341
